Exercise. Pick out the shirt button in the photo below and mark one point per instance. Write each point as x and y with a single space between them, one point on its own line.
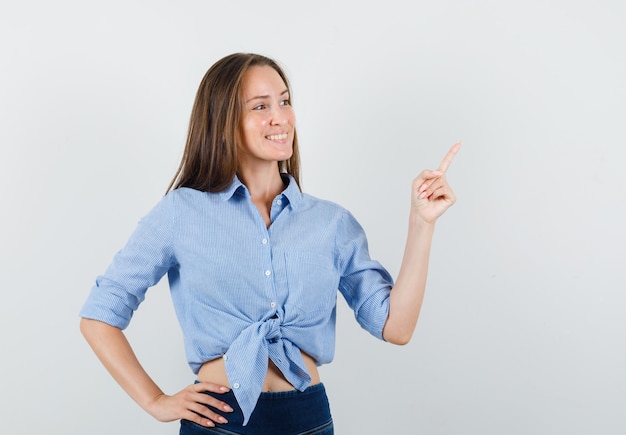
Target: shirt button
225 357
273 304
268 273
264 241
279 201
235 385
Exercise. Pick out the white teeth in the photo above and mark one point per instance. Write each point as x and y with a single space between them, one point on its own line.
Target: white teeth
277 136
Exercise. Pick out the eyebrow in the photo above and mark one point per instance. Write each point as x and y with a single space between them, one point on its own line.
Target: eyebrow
261 97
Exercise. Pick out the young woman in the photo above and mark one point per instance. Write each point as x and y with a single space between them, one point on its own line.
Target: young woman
254 266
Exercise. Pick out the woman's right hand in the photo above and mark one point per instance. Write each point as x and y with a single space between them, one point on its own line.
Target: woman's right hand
192 404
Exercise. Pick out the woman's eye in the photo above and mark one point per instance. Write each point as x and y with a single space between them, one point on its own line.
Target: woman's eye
259 107
285 103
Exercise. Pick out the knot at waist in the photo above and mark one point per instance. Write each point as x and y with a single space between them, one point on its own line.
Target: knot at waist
247 362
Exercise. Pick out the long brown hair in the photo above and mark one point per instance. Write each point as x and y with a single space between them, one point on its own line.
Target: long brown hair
209 161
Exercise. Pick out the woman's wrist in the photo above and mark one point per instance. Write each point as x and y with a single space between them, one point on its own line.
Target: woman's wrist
418 223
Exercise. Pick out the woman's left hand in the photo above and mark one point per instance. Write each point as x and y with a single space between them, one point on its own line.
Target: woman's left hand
431 195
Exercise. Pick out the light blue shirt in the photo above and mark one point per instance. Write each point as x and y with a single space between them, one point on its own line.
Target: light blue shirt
244 292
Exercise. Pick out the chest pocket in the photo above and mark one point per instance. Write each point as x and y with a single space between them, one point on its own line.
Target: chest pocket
312 281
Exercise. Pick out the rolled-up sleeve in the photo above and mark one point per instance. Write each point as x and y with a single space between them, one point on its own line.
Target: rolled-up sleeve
144 260
364 283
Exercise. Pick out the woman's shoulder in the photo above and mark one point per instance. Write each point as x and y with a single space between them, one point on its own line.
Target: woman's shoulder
326 209
185 192
188 195
179 201
322 203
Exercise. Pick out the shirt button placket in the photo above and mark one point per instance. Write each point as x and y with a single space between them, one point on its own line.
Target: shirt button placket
264 242
268 272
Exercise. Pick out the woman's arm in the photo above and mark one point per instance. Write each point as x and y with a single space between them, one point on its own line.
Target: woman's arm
431 196
111 347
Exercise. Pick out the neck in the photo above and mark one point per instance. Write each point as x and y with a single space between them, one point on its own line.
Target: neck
262 183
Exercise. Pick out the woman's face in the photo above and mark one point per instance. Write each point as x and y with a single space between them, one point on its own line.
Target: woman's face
268 119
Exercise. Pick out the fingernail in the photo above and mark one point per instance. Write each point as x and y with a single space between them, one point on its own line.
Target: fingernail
224 389
223 420
228 408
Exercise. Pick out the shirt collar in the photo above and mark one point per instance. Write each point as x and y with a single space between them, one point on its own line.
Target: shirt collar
291 192
235 186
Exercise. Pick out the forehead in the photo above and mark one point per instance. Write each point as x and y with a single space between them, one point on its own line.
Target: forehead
262 81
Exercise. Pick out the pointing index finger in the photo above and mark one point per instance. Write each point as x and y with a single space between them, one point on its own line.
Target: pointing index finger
445 163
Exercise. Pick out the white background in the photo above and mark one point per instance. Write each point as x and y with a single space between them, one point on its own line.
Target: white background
523 328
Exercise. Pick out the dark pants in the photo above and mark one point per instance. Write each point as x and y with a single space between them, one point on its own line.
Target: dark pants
282 413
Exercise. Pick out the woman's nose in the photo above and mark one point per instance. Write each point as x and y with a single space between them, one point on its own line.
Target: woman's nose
279 116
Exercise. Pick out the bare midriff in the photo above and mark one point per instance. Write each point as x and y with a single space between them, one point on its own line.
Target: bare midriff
214 371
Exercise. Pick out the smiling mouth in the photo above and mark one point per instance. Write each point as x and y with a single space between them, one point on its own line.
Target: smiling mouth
282 136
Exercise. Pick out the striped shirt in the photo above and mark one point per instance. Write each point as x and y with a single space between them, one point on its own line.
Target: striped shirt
245 292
